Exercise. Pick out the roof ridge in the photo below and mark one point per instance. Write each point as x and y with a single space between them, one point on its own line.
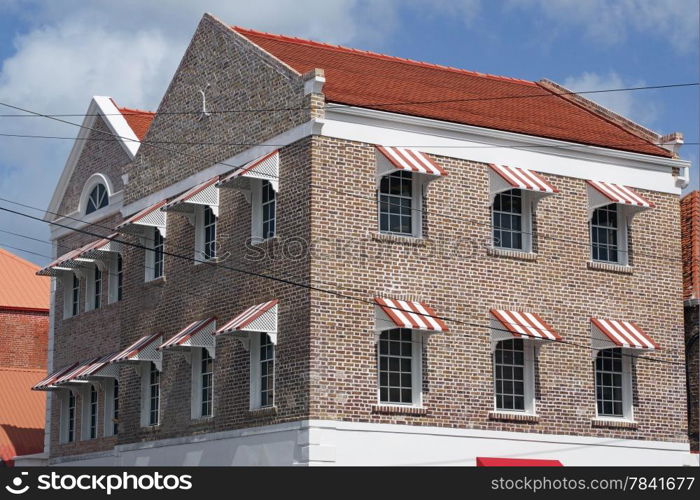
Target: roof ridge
135 110
378 55
20 259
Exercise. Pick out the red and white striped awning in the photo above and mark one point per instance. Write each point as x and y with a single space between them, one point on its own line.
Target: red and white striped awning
410 314
47 383
266 168
150 216
516 462
411 160
617 333
199 330
71 376
525 324
257 318
522 178
100 367
80 256
144 349
617 193
205 193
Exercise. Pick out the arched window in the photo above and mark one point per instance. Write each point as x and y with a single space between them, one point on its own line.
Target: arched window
98 199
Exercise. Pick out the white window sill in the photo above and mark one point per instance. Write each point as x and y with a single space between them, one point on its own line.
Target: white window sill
255 241
609 266
513 416
155 282
511 254
263 411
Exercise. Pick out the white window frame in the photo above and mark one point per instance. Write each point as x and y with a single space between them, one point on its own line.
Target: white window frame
150 254
627 387
109 384
528 202
196 393
529 356
113 281
256 221
199 234
90 303
418 186
145 369
68 281
416 364
255 380
85 409
64 401
624 218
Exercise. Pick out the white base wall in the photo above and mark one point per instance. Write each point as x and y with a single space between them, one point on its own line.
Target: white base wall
323 442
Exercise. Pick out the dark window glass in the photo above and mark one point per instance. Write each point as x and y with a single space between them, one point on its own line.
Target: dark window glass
120 277
97 299
206 381
93 412
509 376
604 234
154 396
608 382
209 233
268 210
115 408
508 220
395 203
70 435
98 199
267 370
158 257
396 366
75 296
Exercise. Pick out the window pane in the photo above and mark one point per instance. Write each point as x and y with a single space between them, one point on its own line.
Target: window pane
395 352
609 381
507 220
509 370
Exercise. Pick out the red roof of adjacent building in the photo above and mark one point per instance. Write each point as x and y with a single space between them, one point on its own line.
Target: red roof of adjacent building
377 81
22 413
690 238
20 287
138 119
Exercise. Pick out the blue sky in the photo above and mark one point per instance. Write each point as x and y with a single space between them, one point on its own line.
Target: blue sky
55 55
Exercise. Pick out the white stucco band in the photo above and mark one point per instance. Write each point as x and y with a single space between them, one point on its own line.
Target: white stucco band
326 442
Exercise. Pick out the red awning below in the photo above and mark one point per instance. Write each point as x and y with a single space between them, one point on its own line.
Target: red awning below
516 462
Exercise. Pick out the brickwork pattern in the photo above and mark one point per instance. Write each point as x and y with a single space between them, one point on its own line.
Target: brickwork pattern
23 338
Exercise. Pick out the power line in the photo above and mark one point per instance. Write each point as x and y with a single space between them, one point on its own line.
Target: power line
366 104
489 328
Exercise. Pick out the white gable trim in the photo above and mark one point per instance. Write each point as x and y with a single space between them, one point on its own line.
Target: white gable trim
103 106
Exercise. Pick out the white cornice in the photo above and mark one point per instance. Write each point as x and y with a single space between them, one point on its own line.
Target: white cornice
77 220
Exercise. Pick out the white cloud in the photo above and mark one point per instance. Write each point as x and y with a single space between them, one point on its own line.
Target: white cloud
609 22
628 104
128 50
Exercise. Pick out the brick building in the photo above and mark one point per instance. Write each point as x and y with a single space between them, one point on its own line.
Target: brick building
24 327
350 258
690 231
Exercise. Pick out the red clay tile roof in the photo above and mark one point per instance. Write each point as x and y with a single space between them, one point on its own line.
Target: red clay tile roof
138 119
21 413
382 82
20 288
690 237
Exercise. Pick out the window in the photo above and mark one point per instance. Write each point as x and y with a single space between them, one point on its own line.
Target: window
262 352
399 356
98 199
97 288
153 395
116 279
205 236
513 362
203 384
508 220
67 399
613 384
155 255
111 407
396 203
268 210
605 234
90 400
75 296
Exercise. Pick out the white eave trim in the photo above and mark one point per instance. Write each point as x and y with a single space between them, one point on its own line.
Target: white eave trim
103 106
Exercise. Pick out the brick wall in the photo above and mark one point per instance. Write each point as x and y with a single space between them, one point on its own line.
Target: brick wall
23 338
452 272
